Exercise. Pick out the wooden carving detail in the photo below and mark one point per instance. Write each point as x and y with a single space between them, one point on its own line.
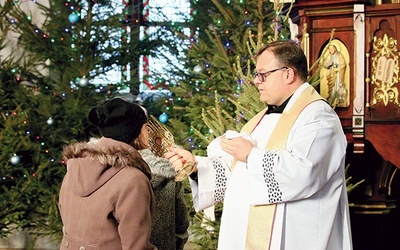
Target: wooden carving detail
385 70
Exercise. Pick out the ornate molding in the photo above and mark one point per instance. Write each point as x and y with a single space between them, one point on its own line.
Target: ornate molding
385 71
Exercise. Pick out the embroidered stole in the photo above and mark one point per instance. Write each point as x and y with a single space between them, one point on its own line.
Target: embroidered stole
261 217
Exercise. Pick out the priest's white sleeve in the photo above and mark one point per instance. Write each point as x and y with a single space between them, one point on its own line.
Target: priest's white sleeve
212 178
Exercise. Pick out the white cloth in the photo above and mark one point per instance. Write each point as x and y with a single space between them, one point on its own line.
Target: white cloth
309 175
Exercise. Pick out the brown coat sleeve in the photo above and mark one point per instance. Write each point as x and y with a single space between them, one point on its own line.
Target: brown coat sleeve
133 211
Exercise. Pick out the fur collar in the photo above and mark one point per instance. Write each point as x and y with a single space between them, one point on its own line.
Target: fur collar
109 153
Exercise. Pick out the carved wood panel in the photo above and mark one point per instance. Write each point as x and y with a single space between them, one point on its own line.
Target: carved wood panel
382 38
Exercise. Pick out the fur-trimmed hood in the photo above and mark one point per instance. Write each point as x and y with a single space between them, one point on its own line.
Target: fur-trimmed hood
94 163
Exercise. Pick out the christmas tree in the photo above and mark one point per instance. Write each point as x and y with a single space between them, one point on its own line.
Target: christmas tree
58 59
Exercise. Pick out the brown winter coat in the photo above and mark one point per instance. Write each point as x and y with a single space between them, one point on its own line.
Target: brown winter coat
106 200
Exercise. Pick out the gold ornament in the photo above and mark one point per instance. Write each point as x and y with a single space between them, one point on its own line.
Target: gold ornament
160 140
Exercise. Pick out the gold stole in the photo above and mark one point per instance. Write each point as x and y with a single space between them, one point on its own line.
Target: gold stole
261 217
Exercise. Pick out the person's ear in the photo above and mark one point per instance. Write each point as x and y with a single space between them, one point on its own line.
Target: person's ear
289 74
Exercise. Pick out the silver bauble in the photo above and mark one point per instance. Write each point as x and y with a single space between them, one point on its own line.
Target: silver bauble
15 159
83 81
50 121
198 69
47 62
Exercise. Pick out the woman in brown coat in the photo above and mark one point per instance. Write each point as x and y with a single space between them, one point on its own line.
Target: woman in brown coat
106 200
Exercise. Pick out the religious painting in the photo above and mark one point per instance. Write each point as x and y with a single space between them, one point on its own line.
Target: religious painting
335 74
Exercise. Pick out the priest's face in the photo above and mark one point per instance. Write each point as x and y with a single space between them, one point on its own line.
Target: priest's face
270 79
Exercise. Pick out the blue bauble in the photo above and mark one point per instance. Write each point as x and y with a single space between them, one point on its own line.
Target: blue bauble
73 18
163 118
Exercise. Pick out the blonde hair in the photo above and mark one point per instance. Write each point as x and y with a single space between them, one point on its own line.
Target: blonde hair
139 143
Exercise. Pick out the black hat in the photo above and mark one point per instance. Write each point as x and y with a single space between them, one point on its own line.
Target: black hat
118 119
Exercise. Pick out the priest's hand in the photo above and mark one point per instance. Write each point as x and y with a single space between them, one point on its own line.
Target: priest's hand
238 147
